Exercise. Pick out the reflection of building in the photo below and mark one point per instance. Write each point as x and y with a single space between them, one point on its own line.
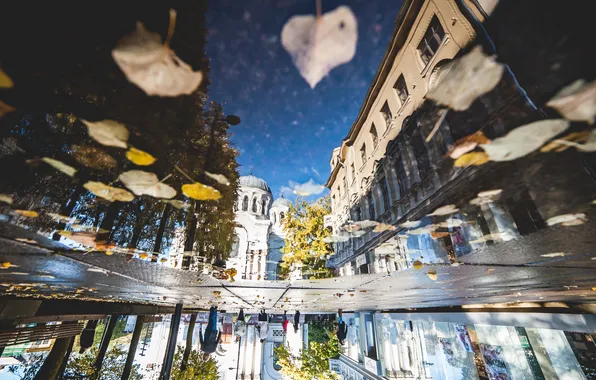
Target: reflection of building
386 171
259 236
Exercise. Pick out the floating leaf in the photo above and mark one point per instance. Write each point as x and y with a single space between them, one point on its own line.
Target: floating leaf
481 201
487 237
365 224
417 264
153 66
468 144
6 198
474 158
5 80
28 241
93 157
589 146
108 193
438 235
559 146
318 46
577 101
108 132
109 252
352 227
6 264
524 140
96 270
163 260
488 271
468 78
143 255
85 238
219 178
138 157
60 218
411 224
200 192
145 183
5 108
60 166
567 219
490 193
178 204
554 254
432 274
445 210
27 213
336 239
382 227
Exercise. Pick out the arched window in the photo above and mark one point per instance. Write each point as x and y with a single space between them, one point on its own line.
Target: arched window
281 216
263 206
274 218
245 203
254 205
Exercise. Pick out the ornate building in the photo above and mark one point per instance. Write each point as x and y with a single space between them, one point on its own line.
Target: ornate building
259 235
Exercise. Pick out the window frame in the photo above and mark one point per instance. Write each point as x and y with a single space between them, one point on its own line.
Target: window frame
374 135
399 90
433 35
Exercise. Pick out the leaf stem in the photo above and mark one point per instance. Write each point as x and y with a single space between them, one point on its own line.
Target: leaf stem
171 27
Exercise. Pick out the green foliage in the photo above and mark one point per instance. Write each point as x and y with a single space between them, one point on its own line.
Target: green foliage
196 367
313 364
320 332
81 366
29 372
305 230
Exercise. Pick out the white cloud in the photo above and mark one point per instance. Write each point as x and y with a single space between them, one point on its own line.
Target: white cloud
315 171
286 191
307 188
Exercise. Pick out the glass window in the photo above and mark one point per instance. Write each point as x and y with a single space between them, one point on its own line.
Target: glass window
353 172
401 89
384 192
263 206
386 113
400 171
363 153
371 205
245 203
431 41
374 135
254 205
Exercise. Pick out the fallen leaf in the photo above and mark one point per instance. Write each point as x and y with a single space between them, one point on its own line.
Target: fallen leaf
5 80
6 198
422 230
490 193
109 252
85 238
219 178
410 224
438 235
60 166
163 260
432 274
200 192
318 46
474 158
456 264
555 254
451 222
27 213
143 255
467 144
6 264
417 264
108 132
352 227
524 140
589 146
382 227
216 292
146 183
468 78
567 218
445 210
153 66
336 239
138 157
5 108
558 146
98 270
365 223
28 241
93 157
485 238
60 218
108 193
481 201
576 101
178 204
488 271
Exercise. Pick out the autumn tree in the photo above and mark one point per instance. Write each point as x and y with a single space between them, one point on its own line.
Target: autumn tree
196 368
313 363
304 246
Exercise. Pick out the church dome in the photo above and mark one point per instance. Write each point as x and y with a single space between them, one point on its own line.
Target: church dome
252 181
282 202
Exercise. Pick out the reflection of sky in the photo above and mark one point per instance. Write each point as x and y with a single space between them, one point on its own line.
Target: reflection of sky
288 130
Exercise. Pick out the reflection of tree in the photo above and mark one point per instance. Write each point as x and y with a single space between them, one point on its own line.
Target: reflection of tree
31 366
197 367
313 363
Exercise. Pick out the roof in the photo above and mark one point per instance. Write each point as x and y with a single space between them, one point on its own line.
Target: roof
256 182
282 202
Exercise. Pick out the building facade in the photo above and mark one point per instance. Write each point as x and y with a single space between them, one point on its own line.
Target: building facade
256 253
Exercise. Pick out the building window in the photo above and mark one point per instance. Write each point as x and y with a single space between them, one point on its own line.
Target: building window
333 204
401 176
254 205
384 191
263 206
371 205
431 41
345 184
386 113
274 218
363 154
401 89
281 216
245 203
353 172
357 213
374 135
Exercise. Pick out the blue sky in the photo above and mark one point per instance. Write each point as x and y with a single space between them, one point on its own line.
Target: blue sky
289 130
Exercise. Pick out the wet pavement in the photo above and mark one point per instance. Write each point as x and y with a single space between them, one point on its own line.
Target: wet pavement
508 272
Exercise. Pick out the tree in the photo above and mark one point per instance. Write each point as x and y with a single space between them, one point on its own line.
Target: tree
312 364
304 246
196 368
82 366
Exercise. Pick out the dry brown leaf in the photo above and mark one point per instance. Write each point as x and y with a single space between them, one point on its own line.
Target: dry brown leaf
5 80
153 66
438 235
93 157
108 193
524 140
468 78
60 166
474 158
200 192
138 157
576 102
108 132
467 144
567 219
27 213
382 227
145 183
6 198
558 146
28 241
589 146
5 108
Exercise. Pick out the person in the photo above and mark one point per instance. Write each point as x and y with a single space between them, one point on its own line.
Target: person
211 338
285 322
240 325
296 321
263 325
342 329
88 335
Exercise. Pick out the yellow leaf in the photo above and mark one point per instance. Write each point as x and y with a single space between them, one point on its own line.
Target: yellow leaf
6 264
143 255
5 81
60 166
432 275
200 192
27 213
474 158
557 146
6 198
5 108
138 157
108 193
163 260
417 264
109 253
